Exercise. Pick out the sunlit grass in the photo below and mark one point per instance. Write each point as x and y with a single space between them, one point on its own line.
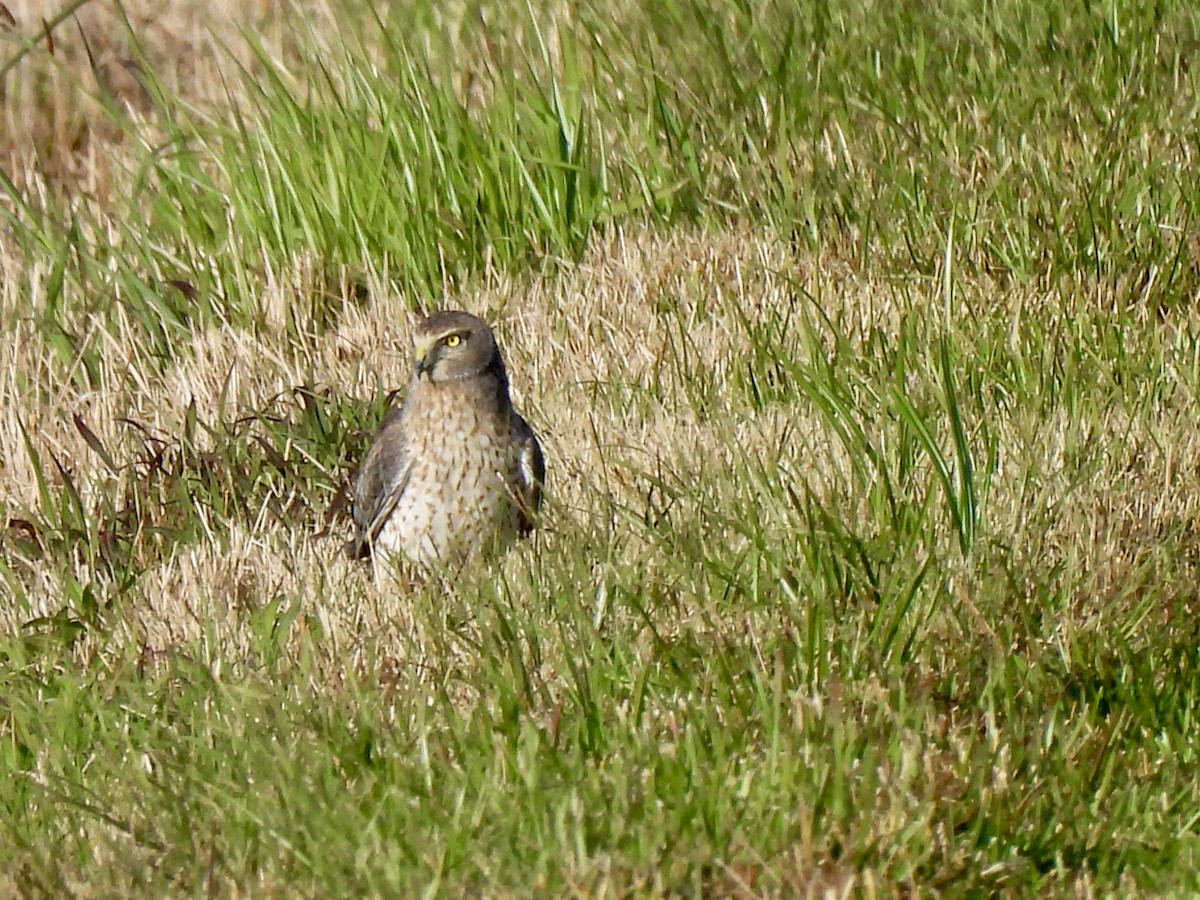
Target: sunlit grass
861 340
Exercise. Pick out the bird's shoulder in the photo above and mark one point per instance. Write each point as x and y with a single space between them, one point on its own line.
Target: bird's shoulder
381 477
387 452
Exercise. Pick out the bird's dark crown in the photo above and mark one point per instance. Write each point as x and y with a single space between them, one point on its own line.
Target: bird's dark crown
447 321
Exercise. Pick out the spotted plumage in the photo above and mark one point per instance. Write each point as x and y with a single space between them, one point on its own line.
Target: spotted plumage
454 470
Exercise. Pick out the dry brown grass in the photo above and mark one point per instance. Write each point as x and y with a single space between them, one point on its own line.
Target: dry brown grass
578 345
610 321
72 83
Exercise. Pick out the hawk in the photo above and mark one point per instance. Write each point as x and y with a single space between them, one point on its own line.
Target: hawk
454 470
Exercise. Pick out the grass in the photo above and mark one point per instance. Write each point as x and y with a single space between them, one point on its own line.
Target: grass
863 346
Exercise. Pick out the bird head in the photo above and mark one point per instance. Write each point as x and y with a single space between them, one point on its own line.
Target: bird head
452 346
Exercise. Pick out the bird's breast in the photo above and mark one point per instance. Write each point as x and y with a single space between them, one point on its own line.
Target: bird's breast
458 495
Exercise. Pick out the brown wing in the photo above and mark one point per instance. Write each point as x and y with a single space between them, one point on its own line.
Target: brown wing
531 472
380 482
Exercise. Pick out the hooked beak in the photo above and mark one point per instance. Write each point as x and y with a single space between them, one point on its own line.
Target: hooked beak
424 360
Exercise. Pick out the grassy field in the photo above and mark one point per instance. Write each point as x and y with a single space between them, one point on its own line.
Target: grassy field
864 344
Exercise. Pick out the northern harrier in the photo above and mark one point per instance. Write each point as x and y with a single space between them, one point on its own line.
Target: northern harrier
454 469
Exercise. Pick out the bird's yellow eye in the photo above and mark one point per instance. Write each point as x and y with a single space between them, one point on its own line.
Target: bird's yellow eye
453 341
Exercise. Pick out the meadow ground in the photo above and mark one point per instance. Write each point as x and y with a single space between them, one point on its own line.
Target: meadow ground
863 340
